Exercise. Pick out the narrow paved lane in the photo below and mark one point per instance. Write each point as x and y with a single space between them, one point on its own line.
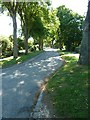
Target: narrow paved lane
21 82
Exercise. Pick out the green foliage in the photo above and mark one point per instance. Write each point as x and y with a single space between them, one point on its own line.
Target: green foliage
20 44
77 49
52 26
70 32
6 46
12 7
32 15
38 29
12 61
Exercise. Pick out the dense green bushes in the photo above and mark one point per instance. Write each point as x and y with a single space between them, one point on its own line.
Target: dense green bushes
6 46
77 49
70 32
20 44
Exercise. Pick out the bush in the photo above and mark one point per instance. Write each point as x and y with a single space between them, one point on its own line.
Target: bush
6 46
32 48
77 49
20 44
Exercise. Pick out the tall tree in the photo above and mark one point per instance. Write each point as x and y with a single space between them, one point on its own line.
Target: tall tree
38 31
53 26
70 27
84 57
26 12
31 15
12 7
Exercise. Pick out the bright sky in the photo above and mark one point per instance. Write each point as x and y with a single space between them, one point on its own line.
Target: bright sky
79 6
6 26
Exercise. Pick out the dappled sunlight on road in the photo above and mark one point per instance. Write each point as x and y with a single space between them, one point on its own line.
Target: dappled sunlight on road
21 83
0 92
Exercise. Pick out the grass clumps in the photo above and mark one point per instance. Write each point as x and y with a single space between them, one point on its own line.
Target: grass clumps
22 58
68 89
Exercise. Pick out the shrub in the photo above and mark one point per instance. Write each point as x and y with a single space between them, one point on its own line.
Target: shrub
6 46
32 48
20 44
77 49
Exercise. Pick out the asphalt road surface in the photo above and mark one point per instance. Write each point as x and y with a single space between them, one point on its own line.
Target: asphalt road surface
21 82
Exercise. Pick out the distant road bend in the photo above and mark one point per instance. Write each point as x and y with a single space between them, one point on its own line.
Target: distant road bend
21 82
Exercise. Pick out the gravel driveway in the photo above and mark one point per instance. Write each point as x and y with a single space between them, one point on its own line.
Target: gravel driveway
21 82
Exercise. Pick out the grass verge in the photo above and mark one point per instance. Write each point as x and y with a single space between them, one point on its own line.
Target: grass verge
22 58
68 89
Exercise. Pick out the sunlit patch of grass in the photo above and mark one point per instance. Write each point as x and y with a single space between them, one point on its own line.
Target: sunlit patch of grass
12 61
68 89
64 52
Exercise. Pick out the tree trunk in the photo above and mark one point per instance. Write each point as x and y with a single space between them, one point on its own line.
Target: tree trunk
68 46
26 39
26 45
52 45
40 44
60 45
15 44
84 57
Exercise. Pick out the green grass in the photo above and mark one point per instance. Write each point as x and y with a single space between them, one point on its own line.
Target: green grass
22 58
63 52
68 89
